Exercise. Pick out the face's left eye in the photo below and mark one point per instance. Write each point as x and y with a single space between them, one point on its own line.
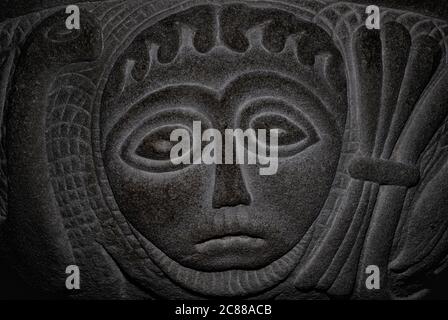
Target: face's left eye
289 133
296 132
156 145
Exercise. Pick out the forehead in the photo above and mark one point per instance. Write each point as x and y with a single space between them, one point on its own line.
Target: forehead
212 46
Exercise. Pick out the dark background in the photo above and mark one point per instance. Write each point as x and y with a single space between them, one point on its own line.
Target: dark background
12 287
438 8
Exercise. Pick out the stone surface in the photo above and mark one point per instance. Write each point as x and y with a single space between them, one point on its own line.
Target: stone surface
362 171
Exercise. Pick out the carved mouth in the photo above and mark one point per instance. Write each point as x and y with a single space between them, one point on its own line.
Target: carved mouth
231 241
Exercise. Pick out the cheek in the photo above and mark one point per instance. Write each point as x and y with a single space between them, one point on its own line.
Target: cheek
159 200
301 185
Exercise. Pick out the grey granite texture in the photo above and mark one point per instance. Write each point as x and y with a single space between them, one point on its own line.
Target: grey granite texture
362 176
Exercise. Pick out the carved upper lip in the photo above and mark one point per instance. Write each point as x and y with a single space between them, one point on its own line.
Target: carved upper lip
229 241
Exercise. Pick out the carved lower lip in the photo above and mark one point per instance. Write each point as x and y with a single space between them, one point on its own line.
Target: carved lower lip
229 242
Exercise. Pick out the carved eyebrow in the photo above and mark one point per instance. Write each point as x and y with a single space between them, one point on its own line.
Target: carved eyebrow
232 93
173 95
169 97
244 86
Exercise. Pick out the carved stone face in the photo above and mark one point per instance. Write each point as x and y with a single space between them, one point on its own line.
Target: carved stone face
219 217
85 171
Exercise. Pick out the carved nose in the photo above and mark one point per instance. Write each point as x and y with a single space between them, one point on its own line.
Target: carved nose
230 189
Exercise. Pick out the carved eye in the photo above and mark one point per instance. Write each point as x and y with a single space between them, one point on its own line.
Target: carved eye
148 145
288 132
157 145
151 151
295 131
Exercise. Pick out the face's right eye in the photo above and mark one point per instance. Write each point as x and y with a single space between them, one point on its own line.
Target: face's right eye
157 145
149 148
148 144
